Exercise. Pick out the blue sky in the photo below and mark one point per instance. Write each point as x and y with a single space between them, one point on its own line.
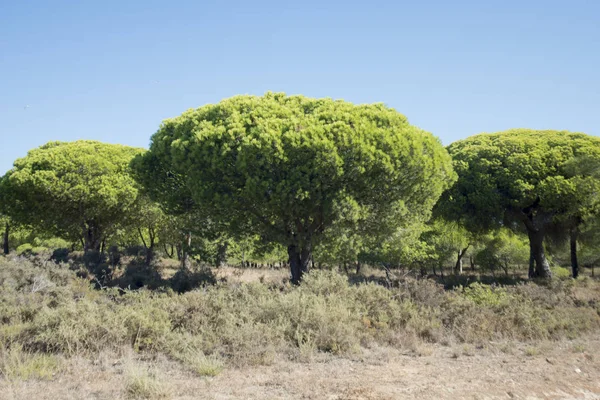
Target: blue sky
112 71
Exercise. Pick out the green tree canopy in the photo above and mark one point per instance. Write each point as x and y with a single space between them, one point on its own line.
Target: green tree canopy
289 167
76 190
523 177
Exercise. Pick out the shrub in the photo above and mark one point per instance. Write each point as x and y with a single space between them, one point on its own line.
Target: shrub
142 384
202 364
486 295
46 309
560 272
25 248
16 364
51 243
185 279
60 255
138 274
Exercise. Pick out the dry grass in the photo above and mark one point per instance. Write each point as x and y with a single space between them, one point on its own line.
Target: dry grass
250 275
255 319
16 364
144 384
378 373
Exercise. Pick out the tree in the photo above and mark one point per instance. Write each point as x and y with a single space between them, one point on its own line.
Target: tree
448 240
582 202
521 177
76 190
5 226
503 249
146 218
164 185
4 220
286 167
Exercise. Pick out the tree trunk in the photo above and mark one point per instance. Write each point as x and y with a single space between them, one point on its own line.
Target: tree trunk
185 257
170 255
5 245
536 248
299 260
150 254
472 262
92 237
531 263
222 254
458 268
574 263
357 267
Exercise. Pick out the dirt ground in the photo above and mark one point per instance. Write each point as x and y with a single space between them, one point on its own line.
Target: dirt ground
557 370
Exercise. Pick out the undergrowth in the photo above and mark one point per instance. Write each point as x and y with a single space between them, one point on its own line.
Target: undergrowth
47 312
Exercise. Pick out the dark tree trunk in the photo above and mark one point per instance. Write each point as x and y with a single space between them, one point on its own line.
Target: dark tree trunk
185 257
5 246
458 268
535 220
357 267
574 263
92 238
536 248
169 254
472 262
531 263
150 255
299 258
222 254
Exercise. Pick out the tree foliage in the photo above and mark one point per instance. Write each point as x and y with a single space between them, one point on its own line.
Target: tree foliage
522 177
502 249
76 190
289 167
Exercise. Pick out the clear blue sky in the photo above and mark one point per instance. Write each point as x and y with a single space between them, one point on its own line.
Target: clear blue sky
113 70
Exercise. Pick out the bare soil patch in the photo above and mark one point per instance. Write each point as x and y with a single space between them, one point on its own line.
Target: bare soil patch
546 370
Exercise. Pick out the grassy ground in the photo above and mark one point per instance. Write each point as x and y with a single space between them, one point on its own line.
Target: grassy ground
254 336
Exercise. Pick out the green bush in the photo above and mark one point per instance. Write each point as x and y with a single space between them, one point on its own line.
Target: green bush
25 248
486 295
560 272
60 255
185 280
51 243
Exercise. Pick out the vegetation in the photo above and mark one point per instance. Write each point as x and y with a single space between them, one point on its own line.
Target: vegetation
532 178
47 309
290 168
107 247
78 191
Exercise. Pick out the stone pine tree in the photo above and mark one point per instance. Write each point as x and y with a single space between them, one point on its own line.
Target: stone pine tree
288 167
76 190
523 178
